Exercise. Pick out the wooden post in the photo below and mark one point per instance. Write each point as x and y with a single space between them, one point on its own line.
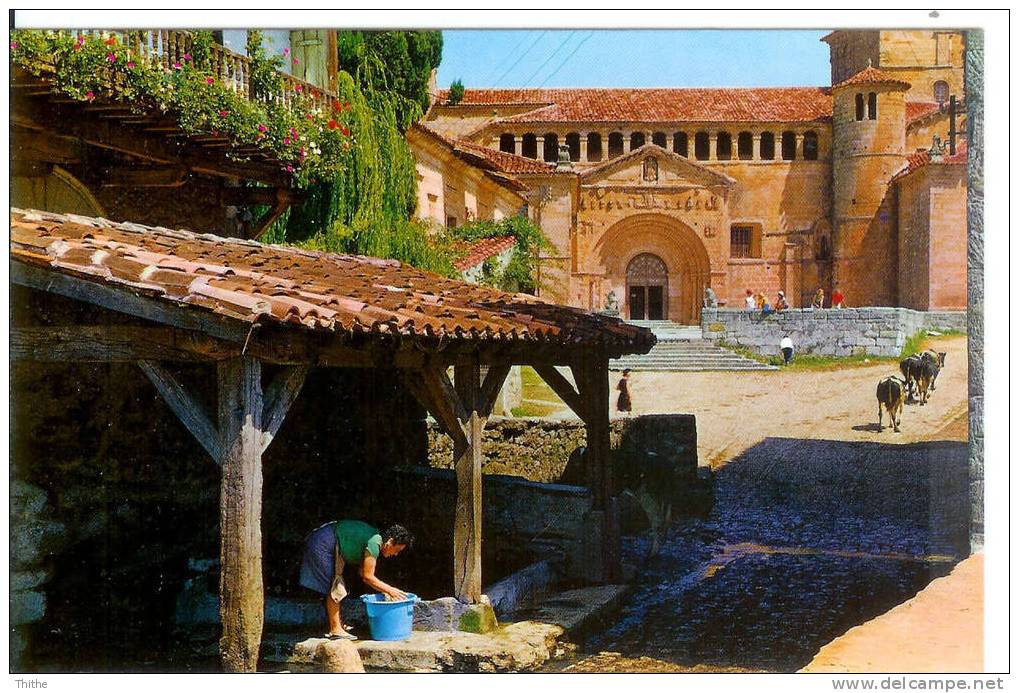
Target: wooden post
595 392
467 462
241 605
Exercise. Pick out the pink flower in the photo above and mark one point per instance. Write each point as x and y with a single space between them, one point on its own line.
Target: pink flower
301 151
77 46
130 64
286 140
293 133
309 116
90 96
14 45
176 66
111 57
224 114
262 128
209 80
187 56
296 61
290 168
286 51
298 87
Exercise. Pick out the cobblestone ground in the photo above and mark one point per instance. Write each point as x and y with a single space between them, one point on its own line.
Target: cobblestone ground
820 522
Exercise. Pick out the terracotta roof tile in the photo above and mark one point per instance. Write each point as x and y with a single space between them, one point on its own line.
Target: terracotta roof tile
872 75
922 157
502 162
341 294
766 104
917 110
480 251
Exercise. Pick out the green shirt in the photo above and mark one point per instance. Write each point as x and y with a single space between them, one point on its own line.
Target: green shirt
354 538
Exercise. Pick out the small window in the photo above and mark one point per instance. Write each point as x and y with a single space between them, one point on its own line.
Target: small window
594 152
636 140
941 92
507 143
701 149
551 147
745 146
529 146
615 144
768 146
872 106
680 144
723 146
810 145
859 106
741 241
451 222
788 145
659 139
573 142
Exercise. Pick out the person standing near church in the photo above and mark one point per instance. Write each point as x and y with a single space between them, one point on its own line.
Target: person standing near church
624 404
787 349
837 299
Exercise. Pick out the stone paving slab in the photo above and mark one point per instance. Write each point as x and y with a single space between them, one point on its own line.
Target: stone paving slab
939 630
538 635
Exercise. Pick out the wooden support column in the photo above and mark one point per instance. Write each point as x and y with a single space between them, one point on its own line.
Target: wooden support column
241 592
467 462
593 380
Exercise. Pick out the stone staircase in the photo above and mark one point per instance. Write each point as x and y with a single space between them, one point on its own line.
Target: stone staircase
681 348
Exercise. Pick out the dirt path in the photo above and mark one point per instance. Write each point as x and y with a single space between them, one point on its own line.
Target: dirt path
737 410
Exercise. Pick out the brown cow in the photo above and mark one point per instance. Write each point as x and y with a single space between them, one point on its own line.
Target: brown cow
925 380
891 395
910 367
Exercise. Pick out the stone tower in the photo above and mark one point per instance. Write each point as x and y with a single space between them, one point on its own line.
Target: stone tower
868 148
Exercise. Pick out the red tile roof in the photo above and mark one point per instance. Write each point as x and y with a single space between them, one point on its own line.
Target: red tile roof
480 251
922 157
346 295
493 159
917 110
766 104
872 75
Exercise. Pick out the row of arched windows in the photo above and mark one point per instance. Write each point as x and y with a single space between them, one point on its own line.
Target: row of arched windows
772 145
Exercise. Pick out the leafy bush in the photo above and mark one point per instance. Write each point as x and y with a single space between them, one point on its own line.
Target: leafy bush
456 93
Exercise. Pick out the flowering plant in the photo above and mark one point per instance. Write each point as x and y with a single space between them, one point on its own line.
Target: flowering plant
307 140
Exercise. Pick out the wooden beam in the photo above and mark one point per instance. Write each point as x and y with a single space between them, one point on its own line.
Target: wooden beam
115 344
562 387
144 177
467 459
494 379
279 396
271 216
28 145
241 589
434 398
187 408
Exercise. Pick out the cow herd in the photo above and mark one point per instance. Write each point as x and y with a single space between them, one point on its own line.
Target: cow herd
919 372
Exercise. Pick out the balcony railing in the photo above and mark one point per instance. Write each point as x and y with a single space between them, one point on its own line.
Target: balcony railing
167 47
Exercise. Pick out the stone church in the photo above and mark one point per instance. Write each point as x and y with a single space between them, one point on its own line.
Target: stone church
653 195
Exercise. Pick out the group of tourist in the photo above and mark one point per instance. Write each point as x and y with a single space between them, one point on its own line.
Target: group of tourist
756 301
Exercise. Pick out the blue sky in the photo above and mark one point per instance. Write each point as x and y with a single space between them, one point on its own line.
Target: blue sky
650 58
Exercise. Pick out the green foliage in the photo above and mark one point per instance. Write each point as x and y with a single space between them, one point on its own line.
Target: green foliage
520 274
399 63
86 67
913 344
456 93
265 78
202 42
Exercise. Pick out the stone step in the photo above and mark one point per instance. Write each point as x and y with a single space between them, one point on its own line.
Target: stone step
689 355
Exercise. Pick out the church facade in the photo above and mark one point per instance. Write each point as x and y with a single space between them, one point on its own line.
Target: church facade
653 195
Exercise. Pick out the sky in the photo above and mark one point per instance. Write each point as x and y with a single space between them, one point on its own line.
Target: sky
648 58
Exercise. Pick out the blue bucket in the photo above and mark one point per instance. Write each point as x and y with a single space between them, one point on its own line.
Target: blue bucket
390 620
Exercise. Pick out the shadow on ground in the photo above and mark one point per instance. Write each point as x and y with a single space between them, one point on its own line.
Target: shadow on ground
807 538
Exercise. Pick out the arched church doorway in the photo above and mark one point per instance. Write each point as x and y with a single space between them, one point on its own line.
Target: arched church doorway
656 266
647 288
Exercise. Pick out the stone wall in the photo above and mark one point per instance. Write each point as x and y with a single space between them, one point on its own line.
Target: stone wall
539 449
831 332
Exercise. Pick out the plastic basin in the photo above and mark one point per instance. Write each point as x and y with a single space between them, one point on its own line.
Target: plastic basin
389 620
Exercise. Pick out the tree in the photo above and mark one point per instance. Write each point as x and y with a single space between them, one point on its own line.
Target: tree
456 93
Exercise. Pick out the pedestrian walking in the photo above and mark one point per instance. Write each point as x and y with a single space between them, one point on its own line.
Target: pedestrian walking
624 404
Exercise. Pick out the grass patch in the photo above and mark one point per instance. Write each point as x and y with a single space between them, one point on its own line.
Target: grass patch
530 409
533 387
810 362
